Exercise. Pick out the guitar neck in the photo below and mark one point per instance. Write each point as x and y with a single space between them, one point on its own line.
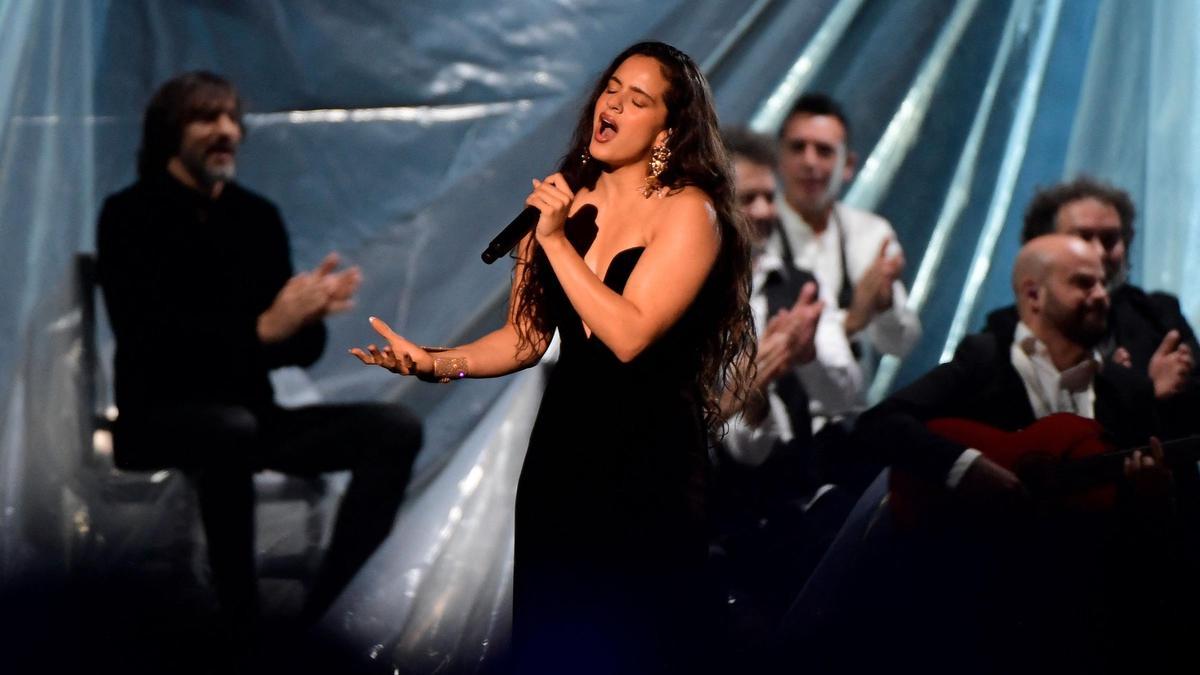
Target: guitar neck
1110 465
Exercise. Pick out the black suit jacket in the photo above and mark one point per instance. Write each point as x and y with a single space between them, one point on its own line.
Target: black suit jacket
981 384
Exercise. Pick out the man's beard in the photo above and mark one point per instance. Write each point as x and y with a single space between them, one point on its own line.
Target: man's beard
222 173
208 172
1085 326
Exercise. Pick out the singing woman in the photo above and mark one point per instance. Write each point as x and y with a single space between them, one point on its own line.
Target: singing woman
642 266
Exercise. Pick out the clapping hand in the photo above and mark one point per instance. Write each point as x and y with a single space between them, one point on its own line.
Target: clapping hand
1170 366
873 292
805 314
790 337
308 297
339 287
774 353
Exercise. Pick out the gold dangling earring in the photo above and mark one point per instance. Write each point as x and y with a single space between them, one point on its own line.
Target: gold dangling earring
659 155
584 158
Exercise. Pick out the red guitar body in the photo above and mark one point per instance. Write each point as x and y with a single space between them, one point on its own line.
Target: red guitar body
1032 453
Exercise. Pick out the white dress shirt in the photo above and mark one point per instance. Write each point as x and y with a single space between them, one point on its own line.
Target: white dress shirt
834 372
1049 389
894 331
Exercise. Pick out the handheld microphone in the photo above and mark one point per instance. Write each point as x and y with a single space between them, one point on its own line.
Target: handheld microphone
511 235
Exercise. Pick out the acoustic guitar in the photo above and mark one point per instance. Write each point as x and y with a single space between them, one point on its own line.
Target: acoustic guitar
1061 457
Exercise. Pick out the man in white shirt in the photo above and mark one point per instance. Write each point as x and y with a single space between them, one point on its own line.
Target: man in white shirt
770 527
788 318
853 254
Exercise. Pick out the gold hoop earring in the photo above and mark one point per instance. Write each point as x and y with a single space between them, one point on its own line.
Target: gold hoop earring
659 155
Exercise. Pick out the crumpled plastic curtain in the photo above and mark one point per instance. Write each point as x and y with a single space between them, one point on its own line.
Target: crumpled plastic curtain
47 197
973 128
1136 127
403 135
1049 90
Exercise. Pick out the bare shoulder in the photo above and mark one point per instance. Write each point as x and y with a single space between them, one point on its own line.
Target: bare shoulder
688 212
690 200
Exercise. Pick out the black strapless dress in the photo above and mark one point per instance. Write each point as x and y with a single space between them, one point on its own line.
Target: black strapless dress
610 538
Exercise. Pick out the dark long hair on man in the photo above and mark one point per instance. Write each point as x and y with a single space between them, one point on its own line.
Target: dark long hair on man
198 95
698 158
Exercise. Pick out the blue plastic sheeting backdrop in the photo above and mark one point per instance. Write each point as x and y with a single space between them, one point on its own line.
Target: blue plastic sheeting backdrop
403 135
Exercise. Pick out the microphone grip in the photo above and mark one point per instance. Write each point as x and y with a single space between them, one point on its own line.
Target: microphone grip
520 226
510 236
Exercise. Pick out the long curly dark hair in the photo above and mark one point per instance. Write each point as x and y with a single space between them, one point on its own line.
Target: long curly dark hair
698 158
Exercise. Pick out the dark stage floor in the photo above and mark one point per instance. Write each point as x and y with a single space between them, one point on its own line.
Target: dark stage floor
143 623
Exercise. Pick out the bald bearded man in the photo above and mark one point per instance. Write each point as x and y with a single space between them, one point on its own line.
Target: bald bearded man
1000 582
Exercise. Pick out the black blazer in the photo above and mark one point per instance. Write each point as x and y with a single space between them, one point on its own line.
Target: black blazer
981 384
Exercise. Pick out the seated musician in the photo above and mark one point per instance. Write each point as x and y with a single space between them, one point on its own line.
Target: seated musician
1010 580
1146 331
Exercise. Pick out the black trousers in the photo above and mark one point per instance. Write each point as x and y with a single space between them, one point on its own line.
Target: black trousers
219 447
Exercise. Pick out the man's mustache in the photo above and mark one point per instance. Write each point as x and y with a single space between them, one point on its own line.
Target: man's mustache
222 145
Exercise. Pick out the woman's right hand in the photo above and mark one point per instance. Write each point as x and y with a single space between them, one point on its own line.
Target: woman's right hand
552 197
399 356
